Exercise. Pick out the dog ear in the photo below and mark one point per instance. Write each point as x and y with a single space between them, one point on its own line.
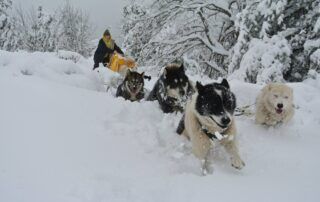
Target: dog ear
181 67
142 74
225 83
199 87
128 72
165 71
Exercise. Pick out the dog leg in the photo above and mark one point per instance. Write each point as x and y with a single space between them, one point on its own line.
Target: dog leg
270 121
207 165
232 149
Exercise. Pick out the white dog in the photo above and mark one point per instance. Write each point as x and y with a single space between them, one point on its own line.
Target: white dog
274 104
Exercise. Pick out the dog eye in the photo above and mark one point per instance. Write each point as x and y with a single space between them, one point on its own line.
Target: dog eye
276 96
286 97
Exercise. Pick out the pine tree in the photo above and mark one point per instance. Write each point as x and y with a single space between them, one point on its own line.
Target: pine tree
7 34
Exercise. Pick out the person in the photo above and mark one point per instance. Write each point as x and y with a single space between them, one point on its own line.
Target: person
105 49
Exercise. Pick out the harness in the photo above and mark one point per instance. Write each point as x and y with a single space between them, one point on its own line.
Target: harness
213 136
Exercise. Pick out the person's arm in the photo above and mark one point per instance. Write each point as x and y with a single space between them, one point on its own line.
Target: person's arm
99 53
116 48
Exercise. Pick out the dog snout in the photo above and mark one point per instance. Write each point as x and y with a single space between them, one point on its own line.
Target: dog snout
280 105
225 120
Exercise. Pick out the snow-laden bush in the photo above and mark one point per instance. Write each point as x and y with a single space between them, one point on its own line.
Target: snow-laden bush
297 21
315 60
266 60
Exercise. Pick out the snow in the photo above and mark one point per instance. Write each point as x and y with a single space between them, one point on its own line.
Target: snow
63 138
317 25
265 61
315 57
69 55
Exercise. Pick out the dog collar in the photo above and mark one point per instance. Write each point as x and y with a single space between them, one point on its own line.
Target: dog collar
212 136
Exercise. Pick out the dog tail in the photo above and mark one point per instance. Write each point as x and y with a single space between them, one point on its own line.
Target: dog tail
181 126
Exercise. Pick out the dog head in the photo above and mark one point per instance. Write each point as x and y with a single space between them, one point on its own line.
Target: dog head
133 81
215 103
175 80
279 98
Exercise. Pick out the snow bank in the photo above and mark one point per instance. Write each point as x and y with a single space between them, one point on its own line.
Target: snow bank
62 138
51 66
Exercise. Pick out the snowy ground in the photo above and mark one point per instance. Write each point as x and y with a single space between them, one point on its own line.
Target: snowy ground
62 138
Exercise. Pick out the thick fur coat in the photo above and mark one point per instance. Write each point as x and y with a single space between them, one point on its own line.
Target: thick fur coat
274 104
132 87
210 111
172 89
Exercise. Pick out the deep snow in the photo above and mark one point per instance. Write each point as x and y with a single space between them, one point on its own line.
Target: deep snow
63 138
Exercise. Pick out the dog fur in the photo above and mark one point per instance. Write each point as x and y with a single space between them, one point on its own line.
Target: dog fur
172 89
132 88
211 107
274 104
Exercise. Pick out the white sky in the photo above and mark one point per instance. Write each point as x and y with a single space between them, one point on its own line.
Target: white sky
103 13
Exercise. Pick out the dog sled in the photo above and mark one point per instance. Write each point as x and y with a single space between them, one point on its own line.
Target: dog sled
120 64
116 70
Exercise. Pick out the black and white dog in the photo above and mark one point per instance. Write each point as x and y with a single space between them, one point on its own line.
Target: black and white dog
209 117
172 89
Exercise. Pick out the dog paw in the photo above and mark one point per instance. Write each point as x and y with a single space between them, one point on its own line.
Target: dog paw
206 168
237 163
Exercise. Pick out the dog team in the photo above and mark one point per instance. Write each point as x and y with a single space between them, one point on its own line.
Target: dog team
208 109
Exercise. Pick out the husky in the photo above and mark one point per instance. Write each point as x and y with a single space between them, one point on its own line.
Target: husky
274 104
172 89
209 118
132 87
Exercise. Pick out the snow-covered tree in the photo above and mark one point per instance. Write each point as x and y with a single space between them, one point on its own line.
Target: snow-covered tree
40 35
74 30
133 25
7 35
302 23
200 31
266 60
292 23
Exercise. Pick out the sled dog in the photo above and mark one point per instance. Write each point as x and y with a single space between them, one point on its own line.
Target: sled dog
172 89
274 104
132 87
209 118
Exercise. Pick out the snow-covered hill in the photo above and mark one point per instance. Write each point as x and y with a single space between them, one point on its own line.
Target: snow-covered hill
63 138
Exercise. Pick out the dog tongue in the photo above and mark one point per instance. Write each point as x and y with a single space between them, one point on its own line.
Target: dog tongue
279 111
